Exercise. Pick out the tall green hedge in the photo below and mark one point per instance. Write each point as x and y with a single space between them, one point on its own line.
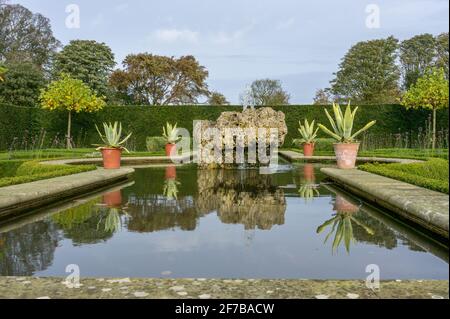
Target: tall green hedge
143 121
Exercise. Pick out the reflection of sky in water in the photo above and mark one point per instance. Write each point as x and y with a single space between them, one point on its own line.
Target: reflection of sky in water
221 225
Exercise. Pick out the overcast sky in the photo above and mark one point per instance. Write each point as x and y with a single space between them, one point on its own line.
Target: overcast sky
297 42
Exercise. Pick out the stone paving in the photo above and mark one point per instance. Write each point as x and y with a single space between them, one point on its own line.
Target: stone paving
126 288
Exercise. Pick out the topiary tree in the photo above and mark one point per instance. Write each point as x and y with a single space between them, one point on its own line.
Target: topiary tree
71 95
429 92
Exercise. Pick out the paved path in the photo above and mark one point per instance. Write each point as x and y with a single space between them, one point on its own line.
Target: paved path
26 197
296 156
125 288
425 207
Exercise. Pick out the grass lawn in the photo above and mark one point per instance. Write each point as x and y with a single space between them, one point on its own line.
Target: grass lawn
432 174
63 153
15 172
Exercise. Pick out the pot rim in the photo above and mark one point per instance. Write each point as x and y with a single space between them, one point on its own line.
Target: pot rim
111 149
347 143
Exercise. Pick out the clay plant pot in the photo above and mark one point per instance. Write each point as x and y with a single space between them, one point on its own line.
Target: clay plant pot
308 149
346 155
342 205
171 150
308 173
111 158
171 172
113 199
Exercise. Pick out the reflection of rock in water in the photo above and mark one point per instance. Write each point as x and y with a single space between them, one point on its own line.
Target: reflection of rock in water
241 197
155 212
28 249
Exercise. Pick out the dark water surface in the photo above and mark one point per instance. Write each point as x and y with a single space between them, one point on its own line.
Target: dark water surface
184 222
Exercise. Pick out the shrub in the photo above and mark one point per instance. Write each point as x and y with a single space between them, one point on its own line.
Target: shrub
432 174
155 143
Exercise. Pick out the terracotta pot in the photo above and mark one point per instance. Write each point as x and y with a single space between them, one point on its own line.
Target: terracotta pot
171 172
346 155
171 149
308 173
111 158
342 205
308 149
113 199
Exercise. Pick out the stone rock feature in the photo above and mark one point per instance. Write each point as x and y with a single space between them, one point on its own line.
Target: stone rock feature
262 118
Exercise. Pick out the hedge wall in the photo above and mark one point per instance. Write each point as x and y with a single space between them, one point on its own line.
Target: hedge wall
26 123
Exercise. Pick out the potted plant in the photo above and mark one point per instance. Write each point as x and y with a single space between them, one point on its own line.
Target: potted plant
113 145
170 133
347 148
308 137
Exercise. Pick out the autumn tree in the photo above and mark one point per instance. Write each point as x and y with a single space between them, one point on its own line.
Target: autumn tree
267 92
159 80
25 36
429 92
88 61
416 56
22 84
216 98
71 95
368 72
322 97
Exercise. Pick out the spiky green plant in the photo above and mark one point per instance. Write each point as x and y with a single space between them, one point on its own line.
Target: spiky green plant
343 229
307 132
170 133
113 222
171 189
112 136
308 191
342 124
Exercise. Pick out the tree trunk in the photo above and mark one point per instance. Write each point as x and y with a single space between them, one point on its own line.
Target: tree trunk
69 128
434 128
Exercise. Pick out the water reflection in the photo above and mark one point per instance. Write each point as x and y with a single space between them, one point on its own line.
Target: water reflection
308 186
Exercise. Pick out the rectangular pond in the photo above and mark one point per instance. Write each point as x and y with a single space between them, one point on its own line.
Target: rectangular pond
181 222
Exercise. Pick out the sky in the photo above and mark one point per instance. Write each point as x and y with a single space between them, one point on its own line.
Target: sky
297 42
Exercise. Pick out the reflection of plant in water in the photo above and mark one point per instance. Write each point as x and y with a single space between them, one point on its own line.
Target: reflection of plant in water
72 217
113 222
171 189
343 229
308 191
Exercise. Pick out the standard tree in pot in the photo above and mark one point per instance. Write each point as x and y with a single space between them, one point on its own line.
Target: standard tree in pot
113 145
308 137
347 148
170 133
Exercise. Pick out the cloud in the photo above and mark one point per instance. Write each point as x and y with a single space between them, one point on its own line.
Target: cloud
98 20
223 37
121 7
285 24
176 35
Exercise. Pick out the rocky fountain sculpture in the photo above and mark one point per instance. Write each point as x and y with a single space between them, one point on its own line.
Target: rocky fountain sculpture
249 127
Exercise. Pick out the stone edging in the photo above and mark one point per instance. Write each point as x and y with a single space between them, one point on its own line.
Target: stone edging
129 161
421 206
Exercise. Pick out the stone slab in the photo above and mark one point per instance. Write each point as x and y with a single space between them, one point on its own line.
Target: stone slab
425 207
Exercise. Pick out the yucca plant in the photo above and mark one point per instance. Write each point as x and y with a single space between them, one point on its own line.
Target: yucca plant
171 189
307 132
170 133
308 191
112 136
342 124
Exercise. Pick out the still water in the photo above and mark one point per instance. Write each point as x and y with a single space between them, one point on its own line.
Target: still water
182 222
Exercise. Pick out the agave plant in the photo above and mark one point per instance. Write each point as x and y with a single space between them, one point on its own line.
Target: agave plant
112 136
170 133
308 191
307 132
171 189
342 124
343 228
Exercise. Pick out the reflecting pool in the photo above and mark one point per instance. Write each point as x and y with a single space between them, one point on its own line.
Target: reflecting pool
181 222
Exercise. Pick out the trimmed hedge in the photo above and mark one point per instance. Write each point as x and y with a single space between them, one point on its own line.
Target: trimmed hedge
20 123
432 174
19 172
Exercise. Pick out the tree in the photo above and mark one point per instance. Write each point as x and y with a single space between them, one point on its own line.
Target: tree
442 52
430 92
416 56
368 72
160 80
22 84
88 61
71 95
267 92
25 36
216 98
322 97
